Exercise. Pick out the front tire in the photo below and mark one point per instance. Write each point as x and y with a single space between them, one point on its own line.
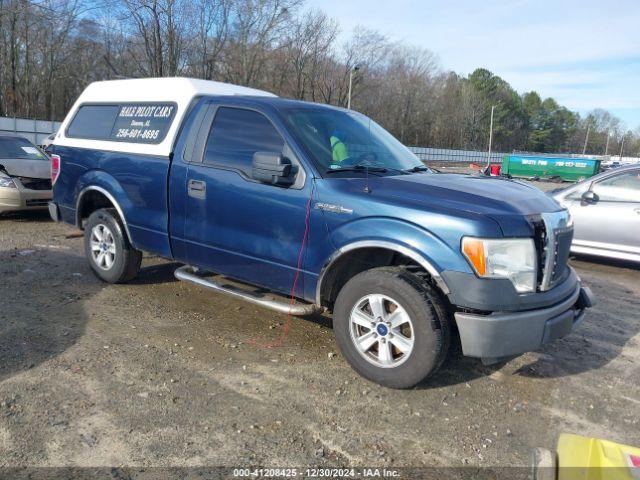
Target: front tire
391 326
109 252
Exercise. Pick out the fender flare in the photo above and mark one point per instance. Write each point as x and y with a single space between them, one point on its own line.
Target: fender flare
406 251
109 196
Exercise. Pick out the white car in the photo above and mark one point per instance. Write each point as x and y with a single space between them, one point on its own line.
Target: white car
606 213
48 141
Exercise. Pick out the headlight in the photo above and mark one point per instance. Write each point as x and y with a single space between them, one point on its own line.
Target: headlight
6 181
512 258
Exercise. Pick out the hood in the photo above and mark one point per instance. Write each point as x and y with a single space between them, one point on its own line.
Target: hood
26 168
507 202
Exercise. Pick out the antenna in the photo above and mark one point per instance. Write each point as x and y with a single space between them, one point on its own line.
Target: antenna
366 179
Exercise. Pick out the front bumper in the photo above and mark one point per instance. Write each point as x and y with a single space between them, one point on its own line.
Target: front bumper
17 199
505 334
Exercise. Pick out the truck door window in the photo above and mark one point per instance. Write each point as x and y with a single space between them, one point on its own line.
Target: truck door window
236 134
624 187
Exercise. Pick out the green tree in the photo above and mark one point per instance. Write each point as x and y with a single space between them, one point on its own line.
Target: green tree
548 123
509 120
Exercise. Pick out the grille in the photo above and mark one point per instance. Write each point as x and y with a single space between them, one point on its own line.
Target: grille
562 247
554 255
540 241
40 202
36 183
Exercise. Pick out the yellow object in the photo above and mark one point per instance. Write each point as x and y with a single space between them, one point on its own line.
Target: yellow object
582 458
339 150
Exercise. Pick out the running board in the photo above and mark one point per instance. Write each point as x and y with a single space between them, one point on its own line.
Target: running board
187 273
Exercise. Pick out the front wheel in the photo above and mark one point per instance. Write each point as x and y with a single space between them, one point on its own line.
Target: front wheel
391 326
111 256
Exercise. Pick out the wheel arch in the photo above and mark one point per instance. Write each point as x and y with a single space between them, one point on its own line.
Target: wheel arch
93 197
348 261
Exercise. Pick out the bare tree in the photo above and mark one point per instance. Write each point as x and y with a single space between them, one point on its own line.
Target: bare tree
210 36
308 48
257 29
161 25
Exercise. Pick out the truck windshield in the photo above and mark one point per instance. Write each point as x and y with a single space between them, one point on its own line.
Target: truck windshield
339 140
20 148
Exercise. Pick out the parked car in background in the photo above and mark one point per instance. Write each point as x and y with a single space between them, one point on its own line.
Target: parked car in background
606 213
48 141
607 166
25 175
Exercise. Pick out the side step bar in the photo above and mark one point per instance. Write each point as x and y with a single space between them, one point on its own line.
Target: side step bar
187 273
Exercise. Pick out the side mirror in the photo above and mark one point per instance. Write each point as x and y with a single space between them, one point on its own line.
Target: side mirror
273 168
589 197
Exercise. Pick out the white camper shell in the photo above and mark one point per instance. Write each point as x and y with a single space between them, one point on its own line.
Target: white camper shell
139 104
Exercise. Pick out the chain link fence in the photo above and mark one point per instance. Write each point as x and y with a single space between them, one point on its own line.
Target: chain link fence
473 156
455 156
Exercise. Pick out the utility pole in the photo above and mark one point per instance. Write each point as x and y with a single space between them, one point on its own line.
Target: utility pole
621 149
586 139
490 137
351 74
606 148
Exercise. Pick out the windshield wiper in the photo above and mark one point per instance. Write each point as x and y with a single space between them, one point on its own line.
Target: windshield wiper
417 168
358 168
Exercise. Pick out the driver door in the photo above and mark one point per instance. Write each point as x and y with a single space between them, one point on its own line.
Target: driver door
234 224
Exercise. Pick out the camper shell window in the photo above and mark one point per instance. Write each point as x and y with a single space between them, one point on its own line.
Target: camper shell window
125 122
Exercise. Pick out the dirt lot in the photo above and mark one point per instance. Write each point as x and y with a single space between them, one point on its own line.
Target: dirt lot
163 373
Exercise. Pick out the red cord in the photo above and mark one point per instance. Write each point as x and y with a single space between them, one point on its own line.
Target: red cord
292 301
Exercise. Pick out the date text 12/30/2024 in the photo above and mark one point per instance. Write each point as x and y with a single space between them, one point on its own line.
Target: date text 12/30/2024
315 473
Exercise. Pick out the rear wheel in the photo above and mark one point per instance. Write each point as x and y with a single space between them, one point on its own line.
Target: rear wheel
391 326
111 256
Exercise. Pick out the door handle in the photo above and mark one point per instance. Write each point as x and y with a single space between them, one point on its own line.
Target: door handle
637 210
197 189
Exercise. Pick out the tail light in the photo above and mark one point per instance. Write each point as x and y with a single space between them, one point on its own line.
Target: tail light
55 168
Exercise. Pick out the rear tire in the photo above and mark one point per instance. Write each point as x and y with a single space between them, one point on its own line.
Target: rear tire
109 252
397 350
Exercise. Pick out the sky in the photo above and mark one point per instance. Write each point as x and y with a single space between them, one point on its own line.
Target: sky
585 54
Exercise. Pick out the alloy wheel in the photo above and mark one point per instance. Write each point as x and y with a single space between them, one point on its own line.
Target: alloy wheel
381 330
103 246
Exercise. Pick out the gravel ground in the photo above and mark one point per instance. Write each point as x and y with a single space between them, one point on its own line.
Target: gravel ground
163 373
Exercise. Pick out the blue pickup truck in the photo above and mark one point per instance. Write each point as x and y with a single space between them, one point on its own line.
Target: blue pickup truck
322 208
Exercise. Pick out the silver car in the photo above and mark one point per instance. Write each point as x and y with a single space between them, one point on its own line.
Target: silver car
606 213
25 175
